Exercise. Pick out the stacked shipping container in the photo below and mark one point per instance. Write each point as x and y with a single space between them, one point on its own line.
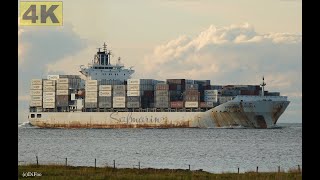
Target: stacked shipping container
119 96
224 99
210 97
105 96
161 95
62 97
49 94
36 93
111 82
91 94
191 96
176 89
133 93
140 93
55 92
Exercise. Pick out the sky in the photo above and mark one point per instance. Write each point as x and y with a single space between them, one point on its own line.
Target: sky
225 41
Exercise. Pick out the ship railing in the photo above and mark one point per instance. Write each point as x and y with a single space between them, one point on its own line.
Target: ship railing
259 98
122 110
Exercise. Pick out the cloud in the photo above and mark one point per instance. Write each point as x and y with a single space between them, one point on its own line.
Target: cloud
234 54
24 98
39 46
218 51
71 64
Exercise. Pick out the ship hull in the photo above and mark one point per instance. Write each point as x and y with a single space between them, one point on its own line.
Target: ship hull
249 114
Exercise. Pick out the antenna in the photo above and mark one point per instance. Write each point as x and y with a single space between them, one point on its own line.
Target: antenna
119 60
263 84
104 47
99 49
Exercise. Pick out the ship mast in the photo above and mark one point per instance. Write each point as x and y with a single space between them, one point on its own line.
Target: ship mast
262 85
104 47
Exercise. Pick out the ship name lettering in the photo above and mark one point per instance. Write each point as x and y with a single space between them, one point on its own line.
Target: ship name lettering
118 119
130 119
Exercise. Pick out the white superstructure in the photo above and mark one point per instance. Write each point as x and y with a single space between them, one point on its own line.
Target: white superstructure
101 67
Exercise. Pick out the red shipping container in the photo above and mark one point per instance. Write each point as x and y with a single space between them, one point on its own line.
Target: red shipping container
176 104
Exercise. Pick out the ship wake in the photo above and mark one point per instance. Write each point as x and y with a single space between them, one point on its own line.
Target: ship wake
25 125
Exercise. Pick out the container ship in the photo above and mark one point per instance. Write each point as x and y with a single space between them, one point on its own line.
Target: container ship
104 95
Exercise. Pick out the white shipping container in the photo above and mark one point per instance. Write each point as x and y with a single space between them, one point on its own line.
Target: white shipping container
223 99
133 87
105 104
90 99
119 87
91 83
162 98
133 104
191 104
119 104
142 81
36 92
119 93
48 105
162 93
53 77
48 94
133 93
90 105
38 109
49 99
105 87
91 88
35 103
209 104
62 92
133 81
73 96
210 92
161 104
215 99
63 81
36 98
91 94
49 88
62 86
119 99
36 82
36 87
211 98
105 93
48 83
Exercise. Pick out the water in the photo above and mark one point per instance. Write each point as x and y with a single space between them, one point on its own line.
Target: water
213 150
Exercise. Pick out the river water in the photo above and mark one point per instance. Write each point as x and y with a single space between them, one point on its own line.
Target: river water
213 150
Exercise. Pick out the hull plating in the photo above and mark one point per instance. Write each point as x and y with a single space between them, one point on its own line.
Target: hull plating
255 114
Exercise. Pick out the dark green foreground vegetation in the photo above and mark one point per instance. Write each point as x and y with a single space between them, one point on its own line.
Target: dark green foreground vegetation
70 172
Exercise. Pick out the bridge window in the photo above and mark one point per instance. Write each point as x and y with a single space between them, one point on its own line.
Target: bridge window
38 115
32 115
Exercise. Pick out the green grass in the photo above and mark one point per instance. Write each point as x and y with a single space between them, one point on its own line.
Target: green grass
72 172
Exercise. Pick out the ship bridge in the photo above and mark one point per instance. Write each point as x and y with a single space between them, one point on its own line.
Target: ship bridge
101 67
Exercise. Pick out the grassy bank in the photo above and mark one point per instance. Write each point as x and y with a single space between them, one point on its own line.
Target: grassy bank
71 172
